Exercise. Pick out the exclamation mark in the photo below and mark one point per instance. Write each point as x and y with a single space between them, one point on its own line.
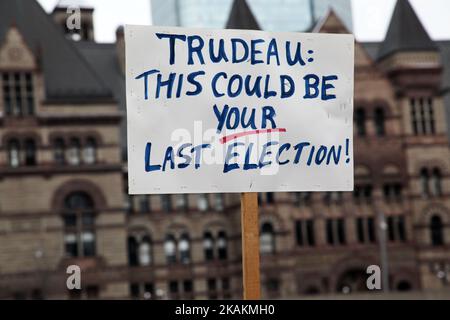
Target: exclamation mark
347 143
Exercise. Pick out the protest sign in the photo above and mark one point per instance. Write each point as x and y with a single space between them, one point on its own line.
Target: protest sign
238 111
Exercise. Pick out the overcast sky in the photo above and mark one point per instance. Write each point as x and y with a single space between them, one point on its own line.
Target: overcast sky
371 17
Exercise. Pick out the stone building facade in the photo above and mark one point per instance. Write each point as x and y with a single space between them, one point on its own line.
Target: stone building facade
63 194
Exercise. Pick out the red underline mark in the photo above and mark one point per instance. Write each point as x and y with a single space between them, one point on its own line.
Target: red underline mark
233 136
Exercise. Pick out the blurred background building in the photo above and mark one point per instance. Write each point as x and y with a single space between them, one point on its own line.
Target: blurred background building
63 179
282 15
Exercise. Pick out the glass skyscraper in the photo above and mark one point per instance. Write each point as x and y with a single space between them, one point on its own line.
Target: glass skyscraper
272 15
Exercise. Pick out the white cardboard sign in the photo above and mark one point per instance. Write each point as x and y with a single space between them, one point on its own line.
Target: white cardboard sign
238 111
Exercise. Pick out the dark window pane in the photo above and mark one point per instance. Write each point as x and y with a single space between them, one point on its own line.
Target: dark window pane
401 228
341 231
360 230
329 227
134 290
391 229
310 232
188 286
371 229
299 232
173 287
70 220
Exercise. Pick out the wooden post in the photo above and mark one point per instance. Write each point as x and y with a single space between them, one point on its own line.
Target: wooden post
250 245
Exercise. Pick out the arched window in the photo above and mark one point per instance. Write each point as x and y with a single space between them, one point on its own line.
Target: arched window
360 120
59 151
30 152
184 249
379 122
73 155
222 245
436 177
79 225
90 151
267 239
132 251
424 182
145 251
170 248
436 231
208 246
14 153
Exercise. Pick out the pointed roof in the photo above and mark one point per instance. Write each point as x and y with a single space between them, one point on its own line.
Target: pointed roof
67 75
241 17
405 32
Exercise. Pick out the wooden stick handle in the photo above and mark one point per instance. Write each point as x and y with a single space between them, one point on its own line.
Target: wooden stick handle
250 246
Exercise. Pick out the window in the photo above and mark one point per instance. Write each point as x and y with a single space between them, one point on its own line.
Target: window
273 285
188 288
218 197
270 197
184 249
437 231
59 151
396 228
212 289
90 151
424 182
335 231
166 203
363 193
145 251
202 202
170 249
30 152
73 154
392 192
436 188
379 122
267 239
18 93
222 246
360 119
302 198
174 290
182 202
304 230
14 153
132 251
365 230
226 288
79 225
208 246
422 116
431 184
144 203
142 291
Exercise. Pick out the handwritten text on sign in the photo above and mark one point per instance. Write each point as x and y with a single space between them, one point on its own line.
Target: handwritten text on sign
238 111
